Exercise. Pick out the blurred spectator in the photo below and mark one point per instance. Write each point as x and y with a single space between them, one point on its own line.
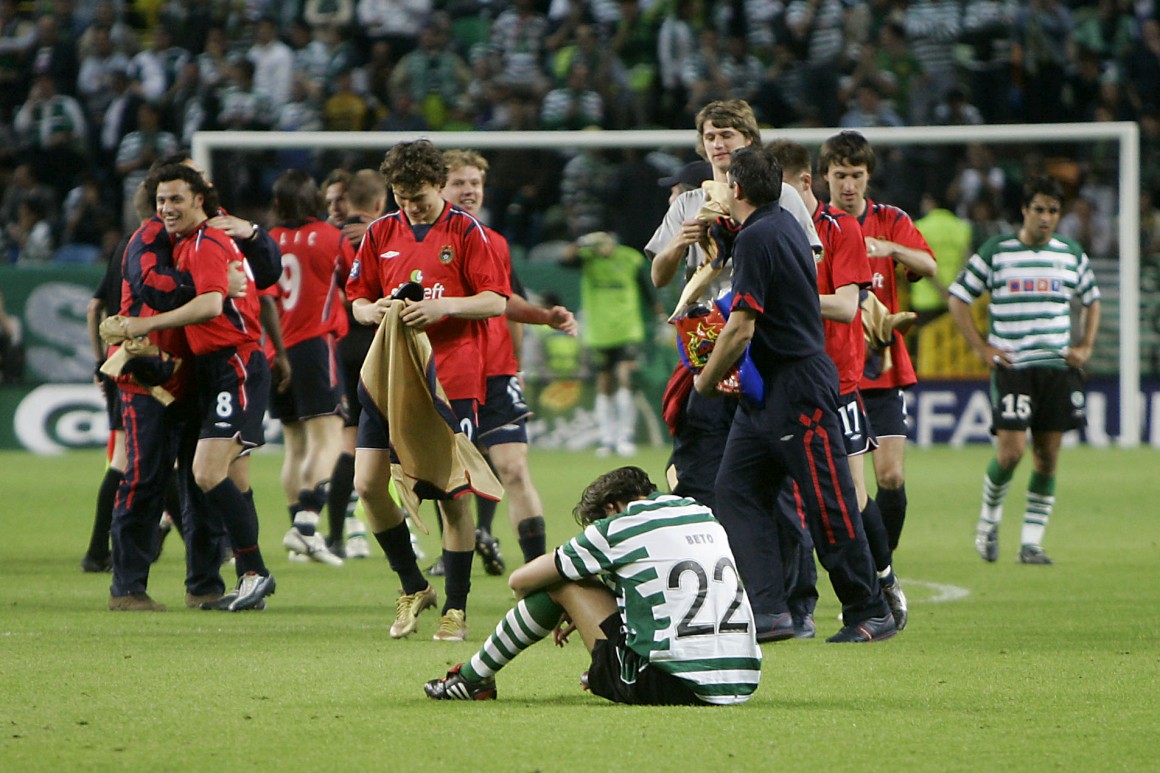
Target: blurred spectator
17 37
1142 68
1042 31
956 110
988 33
346 110
575 105
119 118
404 115
949 237
1149 229
154 70
52 126
986 222
518 36
980 177
816 34
55 55
212 63
188 20
242 105
395 21
189 105
891 66
11 347
932 28
606 74
1108 30
868 109
30 237
136 153
106 16
433 75
301 113
95 80
273 64
723 73
676 44
583 187
23 184
1092 228
634 44
311 54
328 13
87 215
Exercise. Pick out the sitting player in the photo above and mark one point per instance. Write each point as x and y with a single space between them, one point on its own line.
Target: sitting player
675 629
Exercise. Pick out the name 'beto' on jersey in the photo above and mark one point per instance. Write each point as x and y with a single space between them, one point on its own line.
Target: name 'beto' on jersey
1031 292
449 258
678 590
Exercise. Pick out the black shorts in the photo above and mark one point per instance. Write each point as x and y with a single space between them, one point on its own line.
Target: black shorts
1044 399
315 382
620 675
856 426
503 417
605 359
375 434
886 410
233 391
352 351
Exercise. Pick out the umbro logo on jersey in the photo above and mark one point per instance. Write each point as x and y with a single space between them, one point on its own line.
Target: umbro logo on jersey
389 254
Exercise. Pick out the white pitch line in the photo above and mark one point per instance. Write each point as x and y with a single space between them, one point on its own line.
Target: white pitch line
942 592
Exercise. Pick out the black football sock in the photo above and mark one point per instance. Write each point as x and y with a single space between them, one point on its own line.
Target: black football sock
485 512
456 578
241 521
103 520
396 544
892 501
341 487
533 540
876 535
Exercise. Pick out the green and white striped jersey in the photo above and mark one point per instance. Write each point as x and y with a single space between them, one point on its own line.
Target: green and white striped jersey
680 597
1031 292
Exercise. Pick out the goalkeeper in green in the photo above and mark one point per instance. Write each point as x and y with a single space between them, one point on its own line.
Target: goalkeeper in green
651 586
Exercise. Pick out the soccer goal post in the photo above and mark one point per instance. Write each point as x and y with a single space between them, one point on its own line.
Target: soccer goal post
1124 133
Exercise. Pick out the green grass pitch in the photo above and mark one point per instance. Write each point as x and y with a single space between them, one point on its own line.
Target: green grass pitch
1002 666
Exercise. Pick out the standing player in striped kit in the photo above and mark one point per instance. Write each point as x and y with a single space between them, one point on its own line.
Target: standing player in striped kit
313 318
1036 383
675 627
846 162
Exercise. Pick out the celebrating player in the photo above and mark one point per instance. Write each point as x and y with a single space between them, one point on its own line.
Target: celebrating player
846 162
444 249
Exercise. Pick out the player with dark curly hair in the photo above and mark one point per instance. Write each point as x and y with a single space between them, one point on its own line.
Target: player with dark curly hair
670 624
446 251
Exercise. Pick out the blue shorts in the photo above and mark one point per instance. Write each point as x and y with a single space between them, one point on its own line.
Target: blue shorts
886 409
232 392
503 418
856 427
374 432
315 382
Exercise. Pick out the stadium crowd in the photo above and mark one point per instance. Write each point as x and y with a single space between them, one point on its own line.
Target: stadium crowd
95 90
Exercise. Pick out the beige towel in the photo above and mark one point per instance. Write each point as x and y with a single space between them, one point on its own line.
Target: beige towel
110 331
878 325
434 461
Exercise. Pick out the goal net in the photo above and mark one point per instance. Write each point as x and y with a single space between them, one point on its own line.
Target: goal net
546 188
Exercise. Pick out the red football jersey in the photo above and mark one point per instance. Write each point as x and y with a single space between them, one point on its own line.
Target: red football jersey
882 221
206 254
451 257
844 263
310 304
500 359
